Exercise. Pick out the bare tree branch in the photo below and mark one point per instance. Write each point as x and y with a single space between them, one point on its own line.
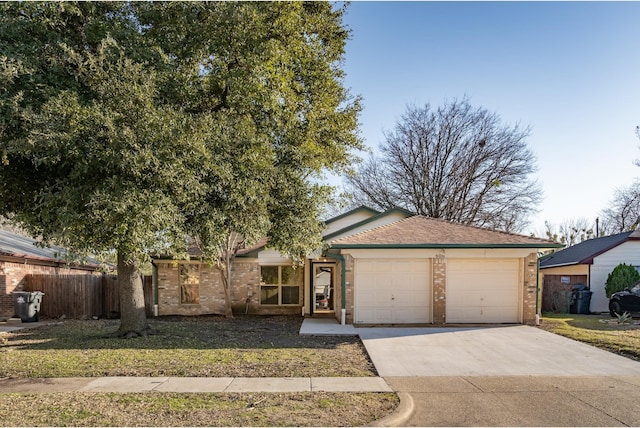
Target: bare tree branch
456 162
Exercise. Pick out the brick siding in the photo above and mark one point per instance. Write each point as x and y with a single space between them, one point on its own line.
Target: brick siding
439 285
12 278
245 291
529 301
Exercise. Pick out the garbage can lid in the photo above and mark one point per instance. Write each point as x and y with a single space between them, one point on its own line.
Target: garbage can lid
580 287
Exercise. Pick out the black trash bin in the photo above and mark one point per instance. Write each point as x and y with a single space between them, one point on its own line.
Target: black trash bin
580 300
27 305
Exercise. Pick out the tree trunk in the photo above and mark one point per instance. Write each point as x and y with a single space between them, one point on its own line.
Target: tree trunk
225 275
133 319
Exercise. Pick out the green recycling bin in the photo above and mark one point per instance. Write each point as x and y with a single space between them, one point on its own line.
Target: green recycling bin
26 305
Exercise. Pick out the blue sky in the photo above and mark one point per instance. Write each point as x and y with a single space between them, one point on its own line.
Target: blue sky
569 70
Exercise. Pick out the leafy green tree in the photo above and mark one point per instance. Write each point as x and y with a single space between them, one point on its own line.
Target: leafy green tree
621 277
134 126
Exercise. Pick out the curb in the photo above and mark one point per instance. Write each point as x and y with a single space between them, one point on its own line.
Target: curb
400 415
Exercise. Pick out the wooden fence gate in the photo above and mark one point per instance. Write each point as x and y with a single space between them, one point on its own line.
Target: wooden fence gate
83 296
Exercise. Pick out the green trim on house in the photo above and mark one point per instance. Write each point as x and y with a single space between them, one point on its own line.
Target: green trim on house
369 220
343 277
353 211
439 246
377 215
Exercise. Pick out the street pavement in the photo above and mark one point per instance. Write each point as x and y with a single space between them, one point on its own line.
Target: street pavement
531 401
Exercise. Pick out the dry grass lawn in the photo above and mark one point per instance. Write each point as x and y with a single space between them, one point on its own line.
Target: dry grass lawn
167 409
600 331
204 346
248 346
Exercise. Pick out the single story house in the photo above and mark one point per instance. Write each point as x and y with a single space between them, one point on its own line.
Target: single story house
589 263
389 267
20 256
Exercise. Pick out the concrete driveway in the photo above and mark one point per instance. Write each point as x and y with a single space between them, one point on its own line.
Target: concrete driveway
487 351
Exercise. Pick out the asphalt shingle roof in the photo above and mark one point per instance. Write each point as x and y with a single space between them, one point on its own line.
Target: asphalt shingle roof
585 251
14 245
425 231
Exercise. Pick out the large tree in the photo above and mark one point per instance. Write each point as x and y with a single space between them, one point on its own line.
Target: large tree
454 162
137 126
623 212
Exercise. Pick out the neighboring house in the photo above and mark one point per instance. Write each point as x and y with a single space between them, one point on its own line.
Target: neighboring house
590 263
379 268
19 256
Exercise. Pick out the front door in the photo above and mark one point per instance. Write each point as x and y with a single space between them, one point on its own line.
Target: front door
323 287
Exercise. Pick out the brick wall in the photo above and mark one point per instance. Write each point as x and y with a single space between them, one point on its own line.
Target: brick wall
12 278
530 296
439 289
245 291
349 289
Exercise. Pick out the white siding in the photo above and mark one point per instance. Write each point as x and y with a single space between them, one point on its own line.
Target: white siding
627 252
347 221
270 256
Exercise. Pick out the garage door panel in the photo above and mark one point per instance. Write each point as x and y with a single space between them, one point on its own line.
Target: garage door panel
499 314
410 315
408 301
482 291
393 291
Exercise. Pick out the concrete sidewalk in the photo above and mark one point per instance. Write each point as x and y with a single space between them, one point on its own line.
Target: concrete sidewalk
195 384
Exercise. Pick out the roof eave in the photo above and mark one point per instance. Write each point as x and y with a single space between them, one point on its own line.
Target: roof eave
439 246
350 212
560 265
366 221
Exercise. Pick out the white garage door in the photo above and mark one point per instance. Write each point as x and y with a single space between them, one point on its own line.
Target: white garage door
393 291
482 291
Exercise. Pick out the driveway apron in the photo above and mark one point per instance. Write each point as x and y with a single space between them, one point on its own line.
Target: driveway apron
487 351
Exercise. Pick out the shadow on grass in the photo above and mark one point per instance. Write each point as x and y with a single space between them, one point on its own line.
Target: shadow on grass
176 332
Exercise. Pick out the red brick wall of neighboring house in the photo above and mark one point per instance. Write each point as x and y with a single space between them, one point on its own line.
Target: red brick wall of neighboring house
12 278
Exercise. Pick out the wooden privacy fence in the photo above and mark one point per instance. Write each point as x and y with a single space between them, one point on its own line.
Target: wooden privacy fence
83 296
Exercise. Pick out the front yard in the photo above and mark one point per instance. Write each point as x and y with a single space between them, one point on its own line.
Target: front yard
203 346
598 330
181 346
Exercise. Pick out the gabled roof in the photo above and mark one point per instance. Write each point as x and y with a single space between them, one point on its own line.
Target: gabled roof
376 215
584 252
424 232
367 221
351 212
13 245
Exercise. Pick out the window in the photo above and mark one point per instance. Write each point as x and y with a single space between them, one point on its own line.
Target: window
279 285
189 284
